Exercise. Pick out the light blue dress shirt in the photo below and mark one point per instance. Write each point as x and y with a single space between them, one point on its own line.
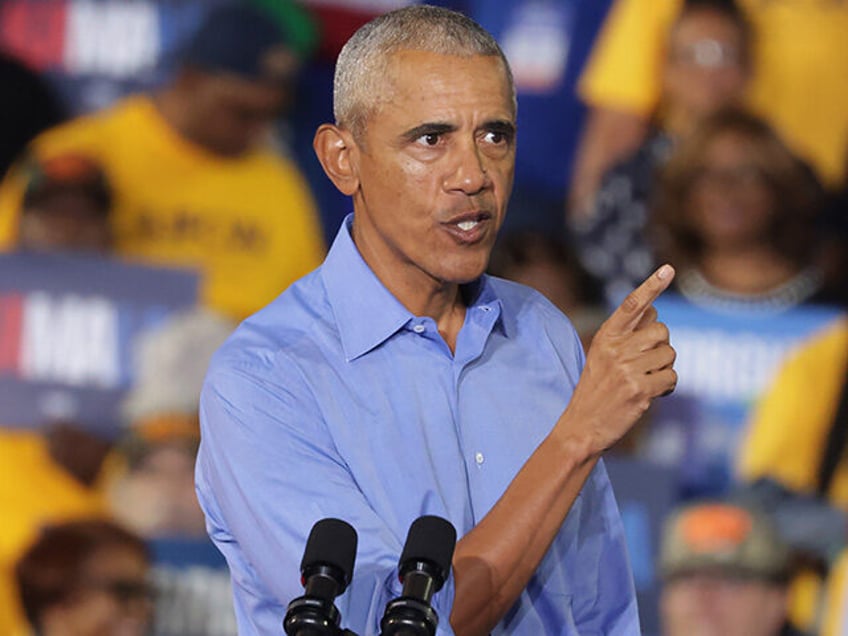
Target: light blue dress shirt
335 401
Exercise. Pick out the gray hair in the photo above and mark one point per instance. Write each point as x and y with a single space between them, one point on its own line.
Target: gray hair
362 62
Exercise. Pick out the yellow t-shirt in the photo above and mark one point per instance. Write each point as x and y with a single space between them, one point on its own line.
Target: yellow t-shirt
33 491
835 620
249 224
788 430
800 81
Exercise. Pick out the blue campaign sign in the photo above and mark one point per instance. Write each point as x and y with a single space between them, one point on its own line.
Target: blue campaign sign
67 328
725 359
194 594
95 51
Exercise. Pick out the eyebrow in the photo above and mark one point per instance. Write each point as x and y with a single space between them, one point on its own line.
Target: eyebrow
429 128
440 128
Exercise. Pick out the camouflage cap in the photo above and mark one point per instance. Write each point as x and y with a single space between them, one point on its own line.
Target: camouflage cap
724 539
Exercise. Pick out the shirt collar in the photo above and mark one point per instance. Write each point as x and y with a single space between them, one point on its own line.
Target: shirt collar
366 312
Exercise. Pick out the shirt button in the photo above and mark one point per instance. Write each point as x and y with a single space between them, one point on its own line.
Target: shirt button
419 328
479 458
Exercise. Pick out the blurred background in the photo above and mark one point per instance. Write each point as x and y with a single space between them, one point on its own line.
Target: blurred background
159 185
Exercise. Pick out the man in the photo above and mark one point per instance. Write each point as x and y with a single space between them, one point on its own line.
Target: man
194 181
397 380
66 206
726 572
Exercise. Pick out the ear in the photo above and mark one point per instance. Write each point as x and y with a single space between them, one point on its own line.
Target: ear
336 150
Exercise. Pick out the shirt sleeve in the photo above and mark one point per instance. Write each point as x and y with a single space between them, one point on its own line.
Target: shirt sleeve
267 471
624 69
608 604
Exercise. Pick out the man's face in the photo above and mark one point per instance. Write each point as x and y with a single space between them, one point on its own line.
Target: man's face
66 221
713 605
232 113
434 167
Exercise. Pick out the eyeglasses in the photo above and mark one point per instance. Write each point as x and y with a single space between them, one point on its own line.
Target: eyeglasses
123 590
739 176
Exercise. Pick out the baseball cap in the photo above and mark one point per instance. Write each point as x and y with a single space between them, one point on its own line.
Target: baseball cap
243 40
725 539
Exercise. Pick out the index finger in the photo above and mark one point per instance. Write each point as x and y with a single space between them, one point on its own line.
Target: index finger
630 311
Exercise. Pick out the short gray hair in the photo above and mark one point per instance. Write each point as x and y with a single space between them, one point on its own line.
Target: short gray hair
363 59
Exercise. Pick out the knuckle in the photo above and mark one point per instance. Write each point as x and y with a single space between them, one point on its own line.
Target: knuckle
631 303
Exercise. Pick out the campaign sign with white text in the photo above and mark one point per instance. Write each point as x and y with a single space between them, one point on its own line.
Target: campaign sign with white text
725 360
67 327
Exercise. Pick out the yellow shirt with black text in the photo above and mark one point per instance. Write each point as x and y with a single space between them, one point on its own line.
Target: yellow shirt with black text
248 224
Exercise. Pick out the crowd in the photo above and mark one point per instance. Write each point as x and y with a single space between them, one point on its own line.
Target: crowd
711 134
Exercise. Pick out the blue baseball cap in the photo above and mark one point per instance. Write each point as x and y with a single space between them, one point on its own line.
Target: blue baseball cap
242 40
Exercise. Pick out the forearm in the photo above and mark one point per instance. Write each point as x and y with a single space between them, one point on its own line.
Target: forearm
609 136
494 562
629 364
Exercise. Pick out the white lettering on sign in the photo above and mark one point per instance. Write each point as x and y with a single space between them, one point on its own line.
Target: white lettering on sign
70 340
111 38
195 601
717 365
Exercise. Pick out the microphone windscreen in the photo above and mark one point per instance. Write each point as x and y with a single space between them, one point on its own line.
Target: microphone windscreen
331 542
431 539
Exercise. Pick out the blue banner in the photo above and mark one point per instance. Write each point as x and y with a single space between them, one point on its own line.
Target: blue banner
194 595
67 326
725 359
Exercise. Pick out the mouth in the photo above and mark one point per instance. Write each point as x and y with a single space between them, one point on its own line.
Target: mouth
469 227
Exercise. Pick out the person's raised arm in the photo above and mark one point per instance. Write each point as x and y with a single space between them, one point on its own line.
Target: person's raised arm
629 363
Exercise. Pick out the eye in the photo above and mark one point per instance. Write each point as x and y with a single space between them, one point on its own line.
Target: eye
495 137
429 139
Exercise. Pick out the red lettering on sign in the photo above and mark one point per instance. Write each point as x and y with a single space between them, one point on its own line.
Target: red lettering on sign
35 31
11 315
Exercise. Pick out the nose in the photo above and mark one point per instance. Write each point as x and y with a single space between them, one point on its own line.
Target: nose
468 173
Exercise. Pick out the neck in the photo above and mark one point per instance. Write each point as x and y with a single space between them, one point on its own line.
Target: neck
419 292
752 270
443 302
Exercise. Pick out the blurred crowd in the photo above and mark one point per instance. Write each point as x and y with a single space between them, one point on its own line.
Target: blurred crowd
165 145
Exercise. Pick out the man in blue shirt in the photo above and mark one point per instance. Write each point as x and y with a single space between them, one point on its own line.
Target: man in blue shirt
398 380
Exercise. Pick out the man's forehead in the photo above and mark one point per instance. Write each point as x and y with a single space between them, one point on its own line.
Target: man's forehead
422 77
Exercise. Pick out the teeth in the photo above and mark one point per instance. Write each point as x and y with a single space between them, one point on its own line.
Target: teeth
466 225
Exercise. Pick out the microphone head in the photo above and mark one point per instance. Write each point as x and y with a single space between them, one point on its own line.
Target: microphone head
430 539
332 543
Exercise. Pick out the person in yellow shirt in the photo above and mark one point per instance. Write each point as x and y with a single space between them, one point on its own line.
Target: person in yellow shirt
800 65
795 439
790 430
194 183
45 477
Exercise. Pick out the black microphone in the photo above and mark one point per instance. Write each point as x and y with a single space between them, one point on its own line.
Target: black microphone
423 568
326 570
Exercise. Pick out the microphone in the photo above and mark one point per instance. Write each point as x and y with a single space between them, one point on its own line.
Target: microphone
326 570
423 568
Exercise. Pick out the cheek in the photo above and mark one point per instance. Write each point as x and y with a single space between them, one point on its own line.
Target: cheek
94 615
